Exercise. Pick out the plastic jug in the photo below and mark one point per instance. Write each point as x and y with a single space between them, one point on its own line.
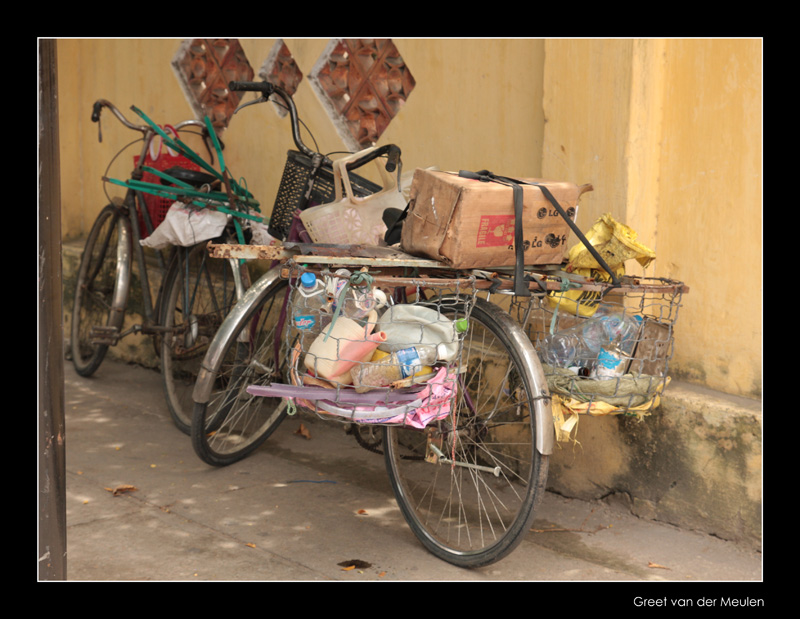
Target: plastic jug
340 346
409 325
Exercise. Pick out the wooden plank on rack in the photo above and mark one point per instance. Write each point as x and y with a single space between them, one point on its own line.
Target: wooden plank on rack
378 257
343 255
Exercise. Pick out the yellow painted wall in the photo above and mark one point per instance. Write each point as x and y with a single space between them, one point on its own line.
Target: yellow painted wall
476 105
669 134
711 207
667 131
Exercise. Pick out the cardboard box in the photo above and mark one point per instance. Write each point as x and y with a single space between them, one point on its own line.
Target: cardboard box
469 224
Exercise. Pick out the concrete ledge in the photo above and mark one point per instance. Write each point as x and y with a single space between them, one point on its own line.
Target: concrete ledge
694 463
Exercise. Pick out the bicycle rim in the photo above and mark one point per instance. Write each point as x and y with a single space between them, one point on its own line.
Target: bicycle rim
473 504
199 292
234 423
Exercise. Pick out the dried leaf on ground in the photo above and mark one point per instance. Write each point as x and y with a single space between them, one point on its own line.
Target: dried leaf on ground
656 565
122 489
303 431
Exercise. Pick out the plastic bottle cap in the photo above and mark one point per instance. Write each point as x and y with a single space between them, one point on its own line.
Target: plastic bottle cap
462 324
308 280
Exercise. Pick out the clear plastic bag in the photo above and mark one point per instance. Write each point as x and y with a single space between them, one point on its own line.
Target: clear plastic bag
186 226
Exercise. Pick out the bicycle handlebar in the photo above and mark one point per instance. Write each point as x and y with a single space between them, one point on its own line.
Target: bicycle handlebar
98 106
267 89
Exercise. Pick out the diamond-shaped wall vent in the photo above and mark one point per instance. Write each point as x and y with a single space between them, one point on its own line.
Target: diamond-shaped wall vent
204 68
363 83
281 69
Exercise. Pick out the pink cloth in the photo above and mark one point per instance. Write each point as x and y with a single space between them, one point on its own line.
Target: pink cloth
436 399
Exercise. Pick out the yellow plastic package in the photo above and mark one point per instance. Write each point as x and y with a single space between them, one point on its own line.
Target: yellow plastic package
616 243
581 302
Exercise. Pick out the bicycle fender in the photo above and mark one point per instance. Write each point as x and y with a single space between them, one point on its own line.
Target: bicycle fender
241 311
545 431
121 292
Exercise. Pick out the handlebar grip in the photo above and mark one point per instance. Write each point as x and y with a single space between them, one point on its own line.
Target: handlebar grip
392 152
98 105
263 87
393 158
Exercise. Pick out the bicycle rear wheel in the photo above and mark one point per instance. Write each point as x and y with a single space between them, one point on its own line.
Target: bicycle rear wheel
468 485
233 423
199 291
101 291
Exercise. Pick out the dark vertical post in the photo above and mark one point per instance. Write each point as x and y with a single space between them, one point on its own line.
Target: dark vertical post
52 486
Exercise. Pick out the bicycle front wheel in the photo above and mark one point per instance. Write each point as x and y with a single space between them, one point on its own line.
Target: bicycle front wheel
199 291
232 423
101 290
468 485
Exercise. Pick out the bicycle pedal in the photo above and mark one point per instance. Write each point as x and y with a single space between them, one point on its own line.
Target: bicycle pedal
103 335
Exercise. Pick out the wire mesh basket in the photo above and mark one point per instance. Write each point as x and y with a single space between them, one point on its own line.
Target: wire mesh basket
607 354
386 351
297 174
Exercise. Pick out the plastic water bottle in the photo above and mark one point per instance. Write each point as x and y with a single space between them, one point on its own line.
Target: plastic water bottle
611 328
561 349
360 302
621 335
610 363
336 282
608 337
308 307
396 366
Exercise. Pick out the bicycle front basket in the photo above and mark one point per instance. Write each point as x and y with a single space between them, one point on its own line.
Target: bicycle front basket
294 184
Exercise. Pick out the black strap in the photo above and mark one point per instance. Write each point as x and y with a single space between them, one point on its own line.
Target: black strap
520 285
577 231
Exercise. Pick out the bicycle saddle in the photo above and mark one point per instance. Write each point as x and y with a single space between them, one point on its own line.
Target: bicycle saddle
193 177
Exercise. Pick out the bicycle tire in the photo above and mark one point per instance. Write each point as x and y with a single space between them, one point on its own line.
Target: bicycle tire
102 287
232 423
199 291
465 515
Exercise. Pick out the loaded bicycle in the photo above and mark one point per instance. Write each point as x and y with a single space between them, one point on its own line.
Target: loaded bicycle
466 429
196 292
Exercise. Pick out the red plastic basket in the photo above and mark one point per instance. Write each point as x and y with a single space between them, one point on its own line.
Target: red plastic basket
157 206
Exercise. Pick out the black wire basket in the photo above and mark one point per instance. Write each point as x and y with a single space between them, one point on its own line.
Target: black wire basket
297 174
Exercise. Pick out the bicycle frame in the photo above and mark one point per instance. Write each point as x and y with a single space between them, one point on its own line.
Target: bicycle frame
133 205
